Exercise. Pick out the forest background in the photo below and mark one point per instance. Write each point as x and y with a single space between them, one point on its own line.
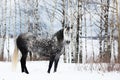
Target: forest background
94 27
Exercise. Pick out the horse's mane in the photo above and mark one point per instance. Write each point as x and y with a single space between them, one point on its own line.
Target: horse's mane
59 35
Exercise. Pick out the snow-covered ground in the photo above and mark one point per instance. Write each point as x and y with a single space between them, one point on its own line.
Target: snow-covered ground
38 71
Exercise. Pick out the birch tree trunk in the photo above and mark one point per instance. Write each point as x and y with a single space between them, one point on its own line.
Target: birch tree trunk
101 31
107 54
118 25
20 15
63 25
36 18
4 27
79 33
91 26
85 26
15 18
8 50
112 36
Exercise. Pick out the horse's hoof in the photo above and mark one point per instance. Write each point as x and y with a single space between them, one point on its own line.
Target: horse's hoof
54 71
27 72
48 72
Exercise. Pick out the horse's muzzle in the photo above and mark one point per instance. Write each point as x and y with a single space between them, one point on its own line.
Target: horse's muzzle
68 42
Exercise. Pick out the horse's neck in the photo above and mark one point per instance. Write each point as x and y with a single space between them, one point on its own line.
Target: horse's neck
60 43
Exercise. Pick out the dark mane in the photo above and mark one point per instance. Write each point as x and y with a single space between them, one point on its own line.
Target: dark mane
59 35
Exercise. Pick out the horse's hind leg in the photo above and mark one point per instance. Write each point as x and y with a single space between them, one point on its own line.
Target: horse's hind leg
23 63
50 63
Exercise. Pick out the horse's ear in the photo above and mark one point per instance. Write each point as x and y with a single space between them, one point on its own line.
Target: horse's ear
65 26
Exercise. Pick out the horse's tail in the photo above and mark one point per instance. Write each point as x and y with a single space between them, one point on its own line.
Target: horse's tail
15 57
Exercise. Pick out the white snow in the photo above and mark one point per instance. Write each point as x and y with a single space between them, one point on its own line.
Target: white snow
38 71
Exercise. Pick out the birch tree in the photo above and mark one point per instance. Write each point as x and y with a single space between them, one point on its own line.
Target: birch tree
85 31
8 50
4 10
79 33
101 31
64 24
118 27
112 32
107 54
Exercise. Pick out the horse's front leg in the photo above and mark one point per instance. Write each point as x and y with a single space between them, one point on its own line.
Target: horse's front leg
57 57
51 63
30 53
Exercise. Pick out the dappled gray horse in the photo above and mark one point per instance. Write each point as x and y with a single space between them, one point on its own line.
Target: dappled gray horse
27 42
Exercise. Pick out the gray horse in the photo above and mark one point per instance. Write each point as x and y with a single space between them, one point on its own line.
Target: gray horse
29 43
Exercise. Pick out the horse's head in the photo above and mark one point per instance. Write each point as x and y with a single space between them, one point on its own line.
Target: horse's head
67 34
62 36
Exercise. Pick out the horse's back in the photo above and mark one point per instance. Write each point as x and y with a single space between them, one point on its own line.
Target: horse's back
25 35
